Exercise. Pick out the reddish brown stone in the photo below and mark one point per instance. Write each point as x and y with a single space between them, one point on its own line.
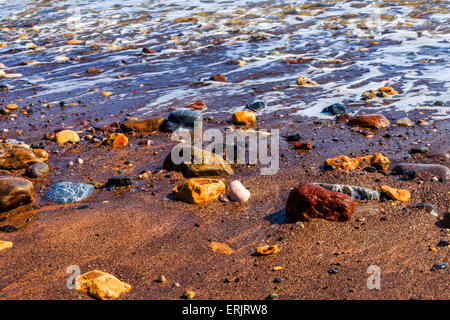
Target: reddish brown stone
303 146
314 202
375 121
197 105
219 77
296 61
15 192
344 117
148 50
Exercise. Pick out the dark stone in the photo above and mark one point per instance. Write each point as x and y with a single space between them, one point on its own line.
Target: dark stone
278 280
293 137
446 220
333 270
181 119
335 109
370 169
420 150
84 206
120 181
37 170
312 201
440 266
409 175
8 229
256 106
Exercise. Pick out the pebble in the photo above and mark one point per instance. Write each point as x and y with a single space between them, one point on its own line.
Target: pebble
430 208
404 122
181 119
409 175
440 266
37 170
356 192
256 106
420 150
446 220
278 280
272 296
238 192
334 270
293 137
335 109
438 170
65 136
8 229
67 192
119 181
189 295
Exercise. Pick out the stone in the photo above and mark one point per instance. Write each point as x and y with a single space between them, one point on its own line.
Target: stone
101 285
15 192
420 150
15 157
37 170
303 146
388 90
335 109
194 162
219 78
197 105
8 229
144 126
116 140
409 175
238 192
272 296
357 193
378 160
182 119
199 190
189 295
293 137
373 121
305 81
5 245
428 208
107 125
256 106
404 122
440 266
67 192
446 220
220 247
266 250
107 93
119 181
309 201
438 170
244 118
396 194
65 136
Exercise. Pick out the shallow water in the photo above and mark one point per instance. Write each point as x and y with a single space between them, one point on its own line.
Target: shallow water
403 44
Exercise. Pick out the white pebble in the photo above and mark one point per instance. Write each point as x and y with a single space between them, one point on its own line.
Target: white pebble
238 192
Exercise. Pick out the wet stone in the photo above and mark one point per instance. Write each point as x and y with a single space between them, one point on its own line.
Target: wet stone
440 266
430 208
409 175
356 192
333 271
370 169
119 181
67 192
420 150
446 220
15 192
37 170
8 229
256 106
335 109
293 137
438 170
181 119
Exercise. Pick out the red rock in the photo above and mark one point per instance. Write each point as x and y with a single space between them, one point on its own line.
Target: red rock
15 192
303 146
197 105
296 61
148 50
376 121
314 202
219 77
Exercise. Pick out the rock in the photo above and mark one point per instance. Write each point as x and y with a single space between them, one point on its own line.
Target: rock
358 193
144 126
219 78
303 146
238 192
440 266
345 117
396 194
116 140
37 170
256 106
119 181
8 229
12 106
278 279
106 93
66 136
224 198
101 285
244 118
182 119
161 279
266 250
293 137
388 90
378 160
189 295
67 192
335 109
107 125
309 201
305 81
199 190
5 245
272 296
409 175
446 220
196 162
15 192
333 271
197 105
438 170
220 247
420 150
374 121
428 207
15 157
404 122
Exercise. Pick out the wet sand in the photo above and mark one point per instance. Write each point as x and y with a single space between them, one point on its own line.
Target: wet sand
141 233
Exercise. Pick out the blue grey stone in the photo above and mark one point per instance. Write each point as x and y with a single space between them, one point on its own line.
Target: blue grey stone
66 192
336 109
182 119
358 193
